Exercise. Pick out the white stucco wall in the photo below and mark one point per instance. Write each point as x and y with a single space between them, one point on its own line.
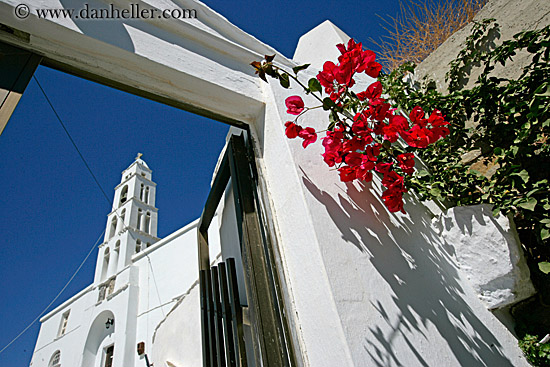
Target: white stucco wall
512 16
363 286
371 287
145 292
167 270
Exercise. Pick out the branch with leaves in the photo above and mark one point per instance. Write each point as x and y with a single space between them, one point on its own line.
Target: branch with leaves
363 127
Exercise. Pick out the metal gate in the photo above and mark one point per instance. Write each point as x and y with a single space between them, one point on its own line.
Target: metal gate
223 315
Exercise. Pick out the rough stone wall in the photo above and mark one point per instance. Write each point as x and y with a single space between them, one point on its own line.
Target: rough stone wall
513 16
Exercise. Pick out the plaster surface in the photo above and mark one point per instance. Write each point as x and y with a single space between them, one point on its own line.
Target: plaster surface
362 286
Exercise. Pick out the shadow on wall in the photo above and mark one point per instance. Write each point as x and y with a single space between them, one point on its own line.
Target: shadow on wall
425 282
111 31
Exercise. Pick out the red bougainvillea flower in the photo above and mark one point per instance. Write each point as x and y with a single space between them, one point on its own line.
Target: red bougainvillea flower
326 77
295 105
354 159
356 143
358 146
406 162
417 116
379 108
373 69
331 157
364 171
292 130
361 61
384 168
396 126
417 137
347 174
343 74
393 200
360 124
394 181
373 91
438 123
372 152
309 135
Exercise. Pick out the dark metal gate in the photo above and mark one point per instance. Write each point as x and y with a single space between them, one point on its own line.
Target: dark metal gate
223 315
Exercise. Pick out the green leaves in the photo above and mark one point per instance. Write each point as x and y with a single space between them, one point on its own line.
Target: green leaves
506 120
528 204
314 85
328 103
544 267
284 80
296 69
524 175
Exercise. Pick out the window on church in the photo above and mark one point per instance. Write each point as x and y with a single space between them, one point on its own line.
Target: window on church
113 227
124 195
138 246
109 351
123 217
55 360
141 192
147 223
106 256
63 324
146 195
148 245
140 215
117 246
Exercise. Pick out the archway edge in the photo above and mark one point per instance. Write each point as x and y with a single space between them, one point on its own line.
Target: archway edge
199 65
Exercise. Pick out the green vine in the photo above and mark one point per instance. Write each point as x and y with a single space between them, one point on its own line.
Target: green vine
500 123
498 151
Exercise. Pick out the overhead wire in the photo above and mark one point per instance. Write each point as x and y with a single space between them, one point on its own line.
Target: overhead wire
99 238
72 141
57 296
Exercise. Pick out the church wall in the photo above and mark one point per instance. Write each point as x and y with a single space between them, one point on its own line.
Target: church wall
178 338
167 270
48 340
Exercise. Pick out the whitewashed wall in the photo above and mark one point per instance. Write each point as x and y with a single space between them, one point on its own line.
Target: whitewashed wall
363 286
167 270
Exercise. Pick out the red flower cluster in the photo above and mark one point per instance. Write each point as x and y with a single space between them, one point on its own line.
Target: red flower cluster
338 78
362 145
294 105
308 134
425 131
356 149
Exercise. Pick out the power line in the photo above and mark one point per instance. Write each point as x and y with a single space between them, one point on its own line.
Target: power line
72 141
58 294
97 241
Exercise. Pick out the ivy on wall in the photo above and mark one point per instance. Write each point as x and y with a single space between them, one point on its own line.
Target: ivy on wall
498 150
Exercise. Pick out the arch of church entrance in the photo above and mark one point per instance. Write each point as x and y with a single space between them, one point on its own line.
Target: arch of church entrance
99 338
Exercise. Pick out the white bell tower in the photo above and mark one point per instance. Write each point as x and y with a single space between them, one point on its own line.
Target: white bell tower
132 223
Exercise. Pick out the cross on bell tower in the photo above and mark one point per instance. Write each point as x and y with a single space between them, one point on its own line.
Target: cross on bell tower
132 223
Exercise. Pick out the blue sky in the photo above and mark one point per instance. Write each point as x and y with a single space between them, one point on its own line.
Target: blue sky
53 212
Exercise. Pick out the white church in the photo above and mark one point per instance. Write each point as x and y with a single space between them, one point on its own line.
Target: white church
287 266
138 280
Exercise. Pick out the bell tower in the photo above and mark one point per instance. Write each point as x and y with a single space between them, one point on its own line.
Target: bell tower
132 223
